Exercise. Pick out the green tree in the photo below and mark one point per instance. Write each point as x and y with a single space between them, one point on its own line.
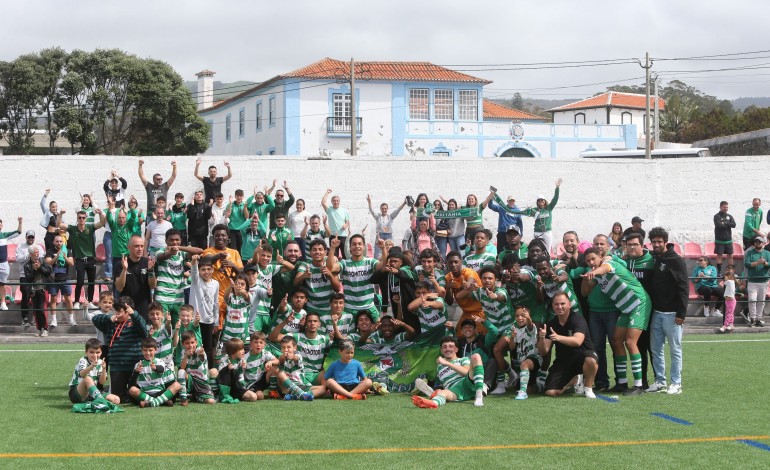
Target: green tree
19 95
517 102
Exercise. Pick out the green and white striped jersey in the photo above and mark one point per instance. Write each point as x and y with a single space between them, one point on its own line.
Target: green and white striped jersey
448 376
236 319
355 275
432 318
294 367
153 381
198 366
165 351
313 350
345 323
498 312
82 364
476 262
171 280
437 273
319 289
294 325
526 341
622 287
255 366
552 286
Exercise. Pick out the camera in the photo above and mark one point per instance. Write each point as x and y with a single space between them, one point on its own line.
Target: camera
410 201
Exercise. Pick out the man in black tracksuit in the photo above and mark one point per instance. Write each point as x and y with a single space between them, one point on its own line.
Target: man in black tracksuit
670 294
724 224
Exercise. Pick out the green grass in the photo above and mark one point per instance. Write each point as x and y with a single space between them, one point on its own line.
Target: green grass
724 396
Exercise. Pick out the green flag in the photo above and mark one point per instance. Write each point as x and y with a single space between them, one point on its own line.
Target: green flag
453 214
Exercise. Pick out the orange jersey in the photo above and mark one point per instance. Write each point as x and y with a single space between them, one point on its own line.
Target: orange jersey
469 305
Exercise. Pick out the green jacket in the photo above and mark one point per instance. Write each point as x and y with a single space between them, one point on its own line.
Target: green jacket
758 273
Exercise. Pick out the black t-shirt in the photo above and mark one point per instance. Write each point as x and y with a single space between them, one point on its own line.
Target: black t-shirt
137 286
212 188
198 216
575 324
630 230
153 193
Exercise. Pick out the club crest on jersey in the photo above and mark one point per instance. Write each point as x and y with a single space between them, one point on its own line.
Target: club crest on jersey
662 266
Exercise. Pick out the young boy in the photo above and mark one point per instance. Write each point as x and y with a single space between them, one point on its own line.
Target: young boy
89 376
259 300
345 377
126 330
258 361
462 378
298 300
524 336
193 372
162 333
480 257
178 216
187 322
237 320
339 322
204 295
170 266
152 382
231 390
105 307
429 307
289 372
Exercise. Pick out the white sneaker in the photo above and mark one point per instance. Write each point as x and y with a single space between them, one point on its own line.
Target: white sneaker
478 402
92 306
76 306
44 333
716 313
706 312
589 392
522 395
52 321
72 320
423 387
674 389
579 389
3 306
499 390
656 387
512 376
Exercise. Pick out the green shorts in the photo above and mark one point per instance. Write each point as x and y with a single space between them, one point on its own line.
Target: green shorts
464 389
310 378
173 309
638 319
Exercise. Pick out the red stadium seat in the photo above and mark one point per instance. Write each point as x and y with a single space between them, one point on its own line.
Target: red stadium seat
693 295
678 248
692 250
100 255
710 249
369 250
737 250
11 252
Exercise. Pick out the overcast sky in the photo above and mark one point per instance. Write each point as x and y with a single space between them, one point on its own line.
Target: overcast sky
255 40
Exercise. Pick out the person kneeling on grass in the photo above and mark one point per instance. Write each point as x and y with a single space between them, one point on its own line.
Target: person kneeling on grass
193 372
288 373
345 377
152 383
462 378
575 353
89 376
231 390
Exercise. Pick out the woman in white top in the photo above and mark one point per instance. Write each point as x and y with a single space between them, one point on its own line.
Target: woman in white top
383 222
296 222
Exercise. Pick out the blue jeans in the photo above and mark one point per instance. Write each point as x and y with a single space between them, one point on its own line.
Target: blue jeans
441 244
383 236
107 253
663 327
601 325
455 242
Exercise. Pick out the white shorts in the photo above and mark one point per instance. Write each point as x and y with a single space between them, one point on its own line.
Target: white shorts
5 269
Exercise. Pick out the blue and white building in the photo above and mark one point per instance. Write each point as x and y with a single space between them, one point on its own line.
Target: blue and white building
402 109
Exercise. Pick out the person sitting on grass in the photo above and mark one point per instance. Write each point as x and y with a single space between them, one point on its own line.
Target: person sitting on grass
231 390
345 377
152 383
125 331
193 372
462 378
89 376
524 337
575 353
289 372
258 362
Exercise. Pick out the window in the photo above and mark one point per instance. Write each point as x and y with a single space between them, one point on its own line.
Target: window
241 122
418 103
259 116
443 105
341 105
271 112
626 118
580 118
228 130
468 105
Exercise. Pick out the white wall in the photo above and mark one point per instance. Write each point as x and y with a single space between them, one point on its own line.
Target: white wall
681 195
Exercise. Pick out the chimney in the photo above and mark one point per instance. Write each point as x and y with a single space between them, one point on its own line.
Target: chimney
205 89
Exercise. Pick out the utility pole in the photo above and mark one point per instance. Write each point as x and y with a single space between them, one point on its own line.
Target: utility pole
657 114
647 65
353 143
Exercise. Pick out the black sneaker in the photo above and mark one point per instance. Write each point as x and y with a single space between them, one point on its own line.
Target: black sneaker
619 388
633 392
26 323
751 324
759 323
744 313
601 387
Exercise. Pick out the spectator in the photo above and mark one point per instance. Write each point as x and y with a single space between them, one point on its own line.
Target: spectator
752 223
282 205
707 286
60 262
116 186
505 219
218 215
442 230
212 185
476 222
22 256
636 227
339 220
456 228
724 224
81 240
615 235
296 223
383 222
137 277
155 233
122 225
48 222
543 214
38 274
757 262
198 215
157 188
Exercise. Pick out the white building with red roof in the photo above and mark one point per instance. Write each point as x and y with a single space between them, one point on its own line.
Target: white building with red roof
401 108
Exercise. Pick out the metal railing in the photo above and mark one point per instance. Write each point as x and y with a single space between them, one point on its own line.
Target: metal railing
341 125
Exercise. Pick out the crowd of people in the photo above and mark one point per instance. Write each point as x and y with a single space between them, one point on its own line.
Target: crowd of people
216 301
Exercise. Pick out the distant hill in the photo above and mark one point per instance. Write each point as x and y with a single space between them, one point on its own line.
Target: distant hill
222 91
537 106
742 103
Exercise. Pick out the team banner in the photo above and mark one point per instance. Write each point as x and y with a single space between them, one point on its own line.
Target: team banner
454 214
398 365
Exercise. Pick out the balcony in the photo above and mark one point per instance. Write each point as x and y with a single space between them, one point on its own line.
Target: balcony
340 126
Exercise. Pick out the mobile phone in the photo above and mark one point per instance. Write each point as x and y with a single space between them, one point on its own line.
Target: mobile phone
493 189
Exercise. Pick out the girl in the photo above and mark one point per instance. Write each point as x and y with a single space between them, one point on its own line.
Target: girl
615 235
383 222
705 278
422 203
422 236
296 222
49 220
87 206
729 289
456 228
475 223
442 230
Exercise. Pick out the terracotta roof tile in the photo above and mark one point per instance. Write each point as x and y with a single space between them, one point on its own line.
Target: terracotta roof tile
423 71
612 99
493 110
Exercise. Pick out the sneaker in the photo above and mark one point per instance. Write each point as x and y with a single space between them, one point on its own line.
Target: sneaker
423 387
380 388
359 396
656 387
26 323
522 395
512 376
601 387
92 306
421 402
619 388
729 328
478 402
3 306
184 402
716 313
722 330
759 323
72 321
674 389
307 396
633 392
500 389
274 395
579 385
289 397
337 396
39 333
745 316
53 322
589 393
76 306
751 323
706 312
485 390
44 333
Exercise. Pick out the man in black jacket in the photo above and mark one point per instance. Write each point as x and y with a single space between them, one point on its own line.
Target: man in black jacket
198 215
724 224
670 294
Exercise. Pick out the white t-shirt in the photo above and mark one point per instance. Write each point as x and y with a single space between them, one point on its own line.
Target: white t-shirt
157 230
729 288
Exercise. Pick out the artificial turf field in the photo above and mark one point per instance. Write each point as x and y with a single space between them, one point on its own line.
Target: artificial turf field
722 420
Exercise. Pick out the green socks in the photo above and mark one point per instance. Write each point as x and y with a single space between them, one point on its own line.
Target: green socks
439 400
273 383
163 398
293 389
94 393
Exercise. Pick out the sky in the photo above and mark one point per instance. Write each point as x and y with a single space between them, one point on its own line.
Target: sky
256 40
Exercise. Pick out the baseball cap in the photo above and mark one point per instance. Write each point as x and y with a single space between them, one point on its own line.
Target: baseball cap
250 267
540 196
467 321
513 228
637 219
510 198
757 238
30 233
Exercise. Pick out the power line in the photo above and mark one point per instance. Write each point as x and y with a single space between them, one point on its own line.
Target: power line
539 63
699 57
